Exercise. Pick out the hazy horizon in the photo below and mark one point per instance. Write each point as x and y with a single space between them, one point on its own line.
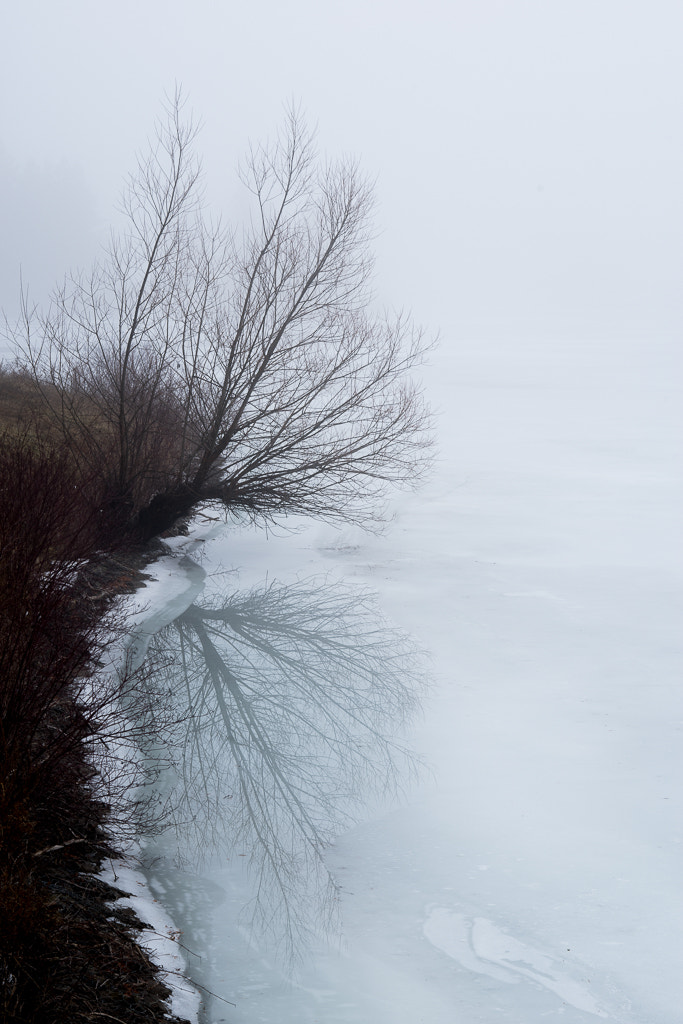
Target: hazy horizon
527 156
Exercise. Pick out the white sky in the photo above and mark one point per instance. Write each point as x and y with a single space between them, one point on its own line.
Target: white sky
528 154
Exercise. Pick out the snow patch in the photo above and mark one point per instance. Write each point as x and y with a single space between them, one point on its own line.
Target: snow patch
160 937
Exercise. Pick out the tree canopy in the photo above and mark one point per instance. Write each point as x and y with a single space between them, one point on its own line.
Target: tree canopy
246 366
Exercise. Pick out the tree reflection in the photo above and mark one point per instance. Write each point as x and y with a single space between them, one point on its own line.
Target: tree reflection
294 700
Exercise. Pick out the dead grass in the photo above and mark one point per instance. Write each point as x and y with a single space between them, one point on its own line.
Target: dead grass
22 409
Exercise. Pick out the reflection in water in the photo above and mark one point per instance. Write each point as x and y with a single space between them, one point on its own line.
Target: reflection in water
293 699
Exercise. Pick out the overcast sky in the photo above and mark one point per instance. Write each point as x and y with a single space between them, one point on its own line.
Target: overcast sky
528 153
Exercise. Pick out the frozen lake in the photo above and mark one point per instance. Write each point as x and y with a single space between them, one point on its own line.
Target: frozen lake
536 871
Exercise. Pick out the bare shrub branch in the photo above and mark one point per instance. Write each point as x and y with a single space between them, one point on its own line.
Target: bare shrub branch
195 363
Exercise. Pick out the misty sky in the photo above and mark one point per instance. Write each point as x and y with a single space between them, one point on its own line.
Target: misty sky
528 154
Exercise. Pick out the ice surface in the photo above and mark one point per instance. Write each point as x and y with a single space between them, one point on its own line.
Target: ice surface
483 948
536 875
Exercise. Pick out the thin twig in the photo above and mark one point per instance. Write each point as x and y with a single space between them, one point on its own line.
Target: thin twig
59 846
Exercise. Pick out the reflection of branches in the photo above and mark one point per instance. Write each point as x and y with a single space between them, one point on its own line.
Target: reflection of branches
296 695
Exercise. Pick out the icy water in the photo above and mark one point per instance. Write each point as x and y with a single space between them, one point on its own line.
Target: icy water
534 873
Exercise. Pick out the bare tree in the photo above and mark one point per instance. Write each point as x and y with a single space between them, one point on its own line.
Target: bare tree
293 701
248 367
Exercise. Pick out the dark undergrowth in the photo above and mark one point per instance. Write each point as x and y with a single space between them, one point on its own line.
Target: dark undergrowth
66 953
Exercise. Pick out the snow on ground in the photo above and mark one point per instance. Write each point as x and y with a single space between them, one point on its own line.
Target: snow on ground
175 580
536 875
159 937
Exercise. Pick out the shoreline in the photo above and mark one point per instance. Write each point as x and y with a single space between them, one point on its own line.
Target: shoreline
83 934
168 585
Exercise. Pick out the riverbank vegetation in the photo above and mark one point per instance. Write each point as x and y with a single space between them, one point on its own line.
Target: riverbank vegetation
66 954
246 366
192 363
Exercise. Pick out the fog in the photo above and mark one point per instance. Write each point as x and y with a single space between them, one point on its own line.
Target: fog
527 159
527 155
